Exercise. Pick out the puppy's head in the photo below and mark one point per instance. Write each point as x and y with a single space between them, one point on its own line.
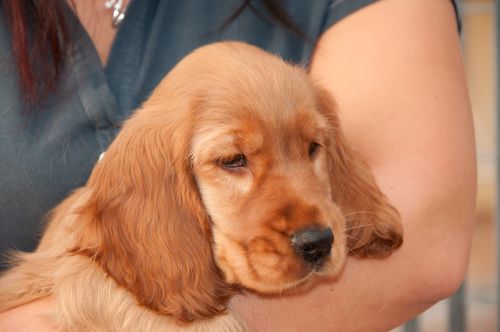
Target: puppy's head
287 197
234 172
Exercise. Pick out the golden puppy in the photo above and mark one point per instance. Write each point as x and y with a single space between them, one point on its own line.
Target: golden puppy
233 175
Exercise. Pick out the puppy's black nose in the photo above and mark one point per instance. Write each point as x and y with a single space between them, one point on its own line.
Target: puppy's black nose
312 244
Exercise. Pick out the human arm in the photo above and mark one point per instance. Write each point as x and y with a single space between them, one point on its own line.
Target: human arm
396 70
30 317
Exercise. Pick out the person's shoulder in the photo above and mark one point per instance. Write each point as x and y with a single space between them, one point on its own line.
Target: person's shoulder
340 9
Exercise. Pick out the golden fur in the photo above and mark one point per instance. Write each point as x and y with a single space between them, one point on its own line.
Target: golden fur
164 231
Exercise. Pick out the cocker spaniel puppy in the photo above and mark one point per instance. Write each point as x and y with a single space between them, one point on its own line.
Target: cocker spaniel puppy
233 175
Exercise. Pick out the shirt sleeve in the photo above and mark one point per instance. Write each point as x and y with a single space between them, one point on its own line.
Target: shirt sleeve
338 9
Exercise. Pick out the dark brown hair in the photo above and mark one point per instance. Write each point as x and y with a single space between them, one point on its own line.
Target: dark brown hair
40 53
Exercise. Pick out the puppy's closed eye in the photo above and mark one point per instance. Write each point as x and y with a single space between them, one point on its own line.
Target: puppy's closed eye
313 149
234 162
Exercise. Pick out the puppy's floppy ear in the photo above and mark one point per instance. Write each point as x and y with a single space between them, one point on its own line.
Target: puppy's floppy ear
373 226
144 223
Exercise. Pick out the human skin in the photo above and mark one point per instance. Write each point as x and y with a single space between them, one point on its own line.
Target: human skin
396 70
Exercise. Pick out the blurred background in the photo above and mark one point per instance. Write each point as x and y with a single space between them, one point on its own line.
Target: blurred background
476 307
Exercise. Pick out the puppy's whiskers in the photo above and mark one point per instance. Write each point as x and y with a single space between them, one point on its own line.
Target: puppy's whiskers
357 227
354 213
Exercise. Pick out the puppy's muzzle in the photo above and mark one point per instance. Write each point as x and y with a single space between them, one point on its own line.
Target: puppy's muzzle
313 245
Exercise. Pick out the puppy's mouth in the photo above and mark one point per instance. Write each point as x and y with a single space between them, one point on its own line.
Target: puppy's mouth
291 275
276 262
277 267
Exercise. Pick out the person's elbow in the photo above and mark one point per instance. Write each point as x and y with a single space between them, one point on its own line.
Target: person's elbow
447 276
442 252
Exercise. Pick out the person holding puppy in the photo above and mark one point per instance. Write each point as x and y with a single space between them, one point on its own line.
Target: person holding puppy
73 72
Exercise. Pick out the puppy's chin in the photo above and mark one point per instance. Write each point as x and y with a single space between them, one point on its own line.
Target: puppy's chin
268 273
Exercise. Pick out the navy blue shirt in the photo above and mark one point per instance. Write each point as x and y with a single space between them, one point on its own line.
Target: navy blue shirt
46 153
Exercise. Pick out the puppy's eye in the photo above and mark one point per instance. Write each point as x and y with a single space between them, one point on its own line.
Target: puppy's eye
235 162
313 149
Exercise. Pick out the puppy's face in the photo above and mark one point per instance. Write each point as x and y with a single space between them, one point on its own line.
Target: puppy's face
260 158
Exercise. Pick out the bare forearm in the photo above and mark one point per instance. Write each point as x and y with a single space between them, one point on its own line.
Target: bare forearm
31 317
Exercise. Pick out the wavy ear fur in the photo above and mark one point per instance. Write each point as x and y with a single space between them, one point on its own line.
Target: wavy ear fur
144 223
373 226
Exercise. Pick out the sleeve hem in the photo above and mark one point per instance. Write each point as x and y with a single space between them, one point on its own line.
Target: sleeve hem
340 9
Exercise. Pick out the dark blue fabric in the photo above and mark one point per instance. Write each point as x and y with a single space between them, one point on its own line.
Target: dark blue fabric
46 153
